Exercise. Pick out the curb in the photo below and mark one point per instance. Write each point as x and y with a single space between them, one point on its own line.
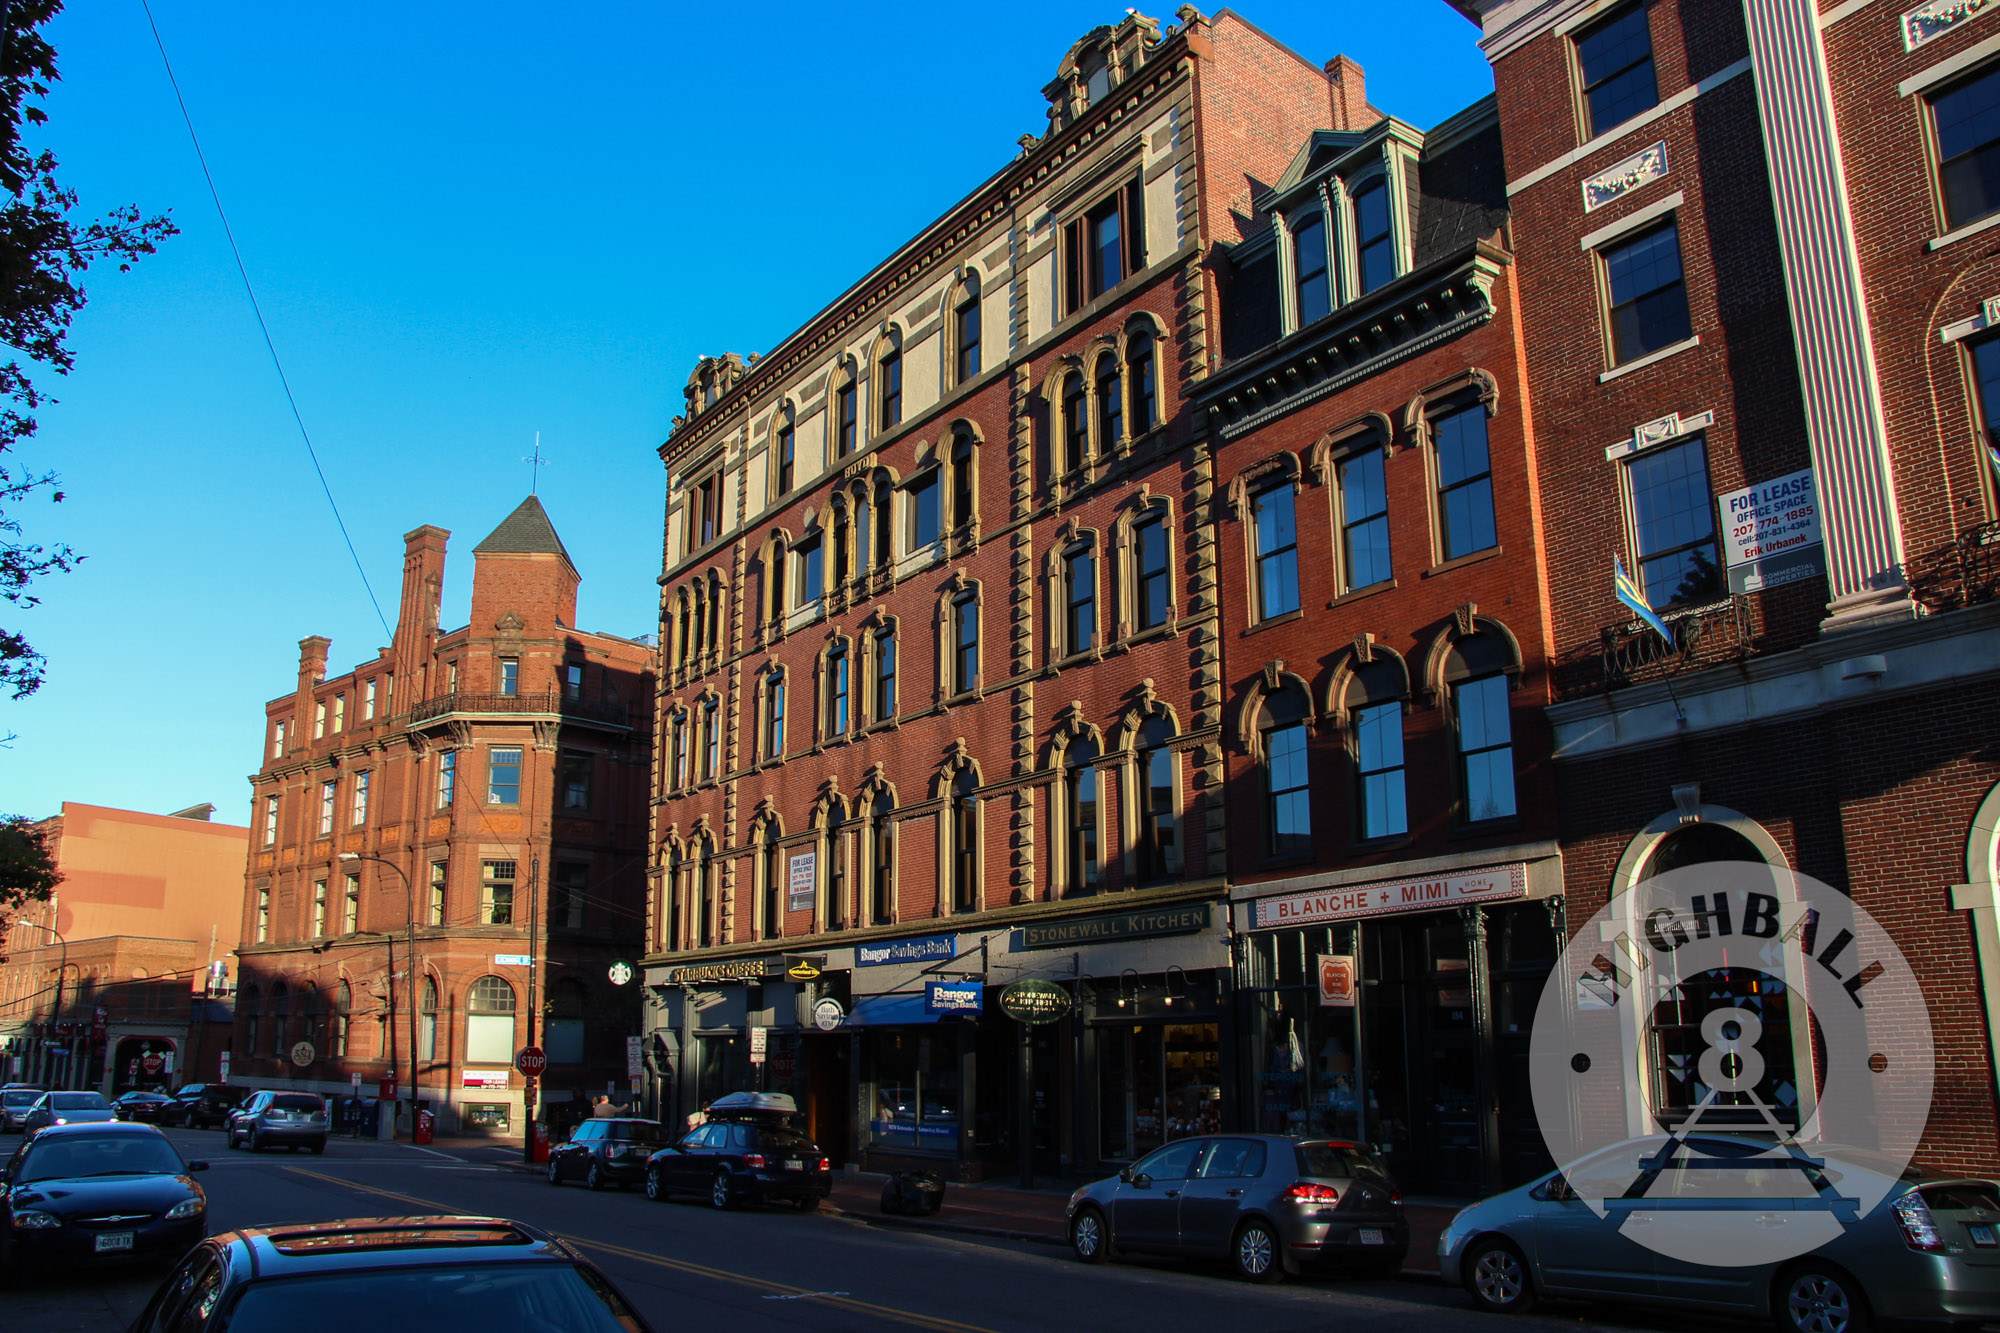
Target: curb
957 1228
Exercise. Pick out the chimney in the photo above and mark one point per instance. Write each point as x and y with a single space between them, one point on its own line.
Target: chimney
1349 89
417 614
312 670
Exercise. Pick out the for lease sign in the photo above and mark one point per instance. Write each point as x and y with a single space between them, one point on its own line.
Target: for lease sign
1771 532
1388 897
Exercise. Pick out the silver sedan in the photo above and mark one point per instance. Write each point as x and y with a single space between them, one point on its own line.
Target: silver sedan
1928 1251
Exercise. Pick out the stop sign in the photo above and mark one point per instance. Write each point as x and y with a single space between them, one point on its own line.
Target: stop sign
531 1061
152 1063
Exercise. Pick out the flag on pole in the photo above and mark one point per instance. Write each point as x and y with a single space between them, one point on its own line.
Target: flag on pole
1630 593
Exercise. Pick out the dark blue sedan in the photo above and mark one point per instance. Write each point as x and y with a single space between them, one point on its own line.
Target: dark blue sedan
84 1194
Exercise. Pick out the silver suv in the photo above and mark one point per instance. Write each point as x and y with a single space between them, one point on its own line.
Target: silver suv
279 1119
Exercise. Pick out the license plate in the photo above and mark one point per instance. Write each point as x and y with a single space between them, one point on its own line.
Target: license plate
1372 1236
794 1164
1982 1236
113 1240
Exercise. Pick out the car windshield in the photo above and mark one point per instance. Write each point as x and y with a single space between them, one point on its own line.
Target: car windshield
295 1102
1339 1160
75 1155
496 1298
633 1131
78 1101
28 1098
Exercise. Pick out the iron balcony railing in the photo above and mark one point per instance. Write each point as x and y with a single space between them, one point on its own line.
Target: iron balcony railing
1965 573
1632 653
541 701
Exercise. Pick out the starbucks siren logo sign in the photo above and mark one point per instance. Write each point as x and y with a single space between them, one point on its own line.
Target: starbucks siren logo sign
1732 1063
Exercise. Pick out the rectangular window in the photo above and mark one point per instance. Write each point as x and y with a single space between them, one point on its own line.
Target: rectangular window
710 497
1107 251
1080 596
350 910
451 678
1374 239
1364 519
1378 753
1673 523
572 680
845 421
368 701
510 675
340 712
1287 792
576 781
788 448
890 368
270 821
1465 483
711 740
319 720
678 730
885 676
1156 813
567 889
1309 256
1986 374
1615 59
496 893
1485 748
326 809
319 909
447 778
774 720
503 775
264 915
924 511
966 655
1149 545
836 695
1104 247
1277 552
1968 137
278 740
1648 299
968 342
437 893
1076 424
812 570
1081 792
360 807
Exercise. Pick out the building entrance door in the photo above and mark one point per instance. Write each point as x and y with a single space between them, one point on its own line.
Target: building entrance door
826 1110
1423 1052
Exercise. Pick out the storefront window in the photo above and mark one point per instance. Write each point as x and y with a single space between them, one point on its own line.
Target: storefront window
1157 1082
485 1115
722 1066
1304 1065
913 1090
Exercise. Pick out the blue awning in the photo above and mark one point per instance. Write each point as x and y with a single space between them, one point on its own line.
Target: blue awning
888 1010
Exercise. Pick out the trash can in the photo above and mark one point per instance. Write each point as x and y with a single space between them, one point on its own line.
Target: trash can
425 1126
541 1142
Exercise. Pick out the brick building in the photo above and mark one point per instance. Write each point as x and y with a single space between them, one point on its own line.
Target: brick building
942 695
1757 282
489 780
147 909
1385 642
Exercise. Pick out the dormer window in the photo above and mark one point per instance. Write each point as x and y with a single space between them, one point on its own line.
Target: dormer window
1374 243
1096 79
1309 264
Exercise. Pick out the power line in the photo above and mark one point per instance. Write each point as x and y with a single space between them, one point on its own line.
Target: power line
264 328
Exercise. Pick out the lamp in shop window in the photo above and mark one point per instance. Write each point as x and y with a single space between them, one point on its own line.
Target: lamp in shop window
1128 998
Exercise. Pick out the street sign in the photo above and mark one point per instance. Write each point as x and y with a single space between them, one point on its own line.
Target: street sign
759 1041
354 1081
620 973
511 960
222 1071
302 1053
828 1014
1032 1000
531 1061
635 1057
152 1063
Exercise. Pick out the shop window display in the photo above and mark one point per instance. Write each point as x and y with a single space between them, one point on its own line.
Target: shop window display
1157 1082
913 1091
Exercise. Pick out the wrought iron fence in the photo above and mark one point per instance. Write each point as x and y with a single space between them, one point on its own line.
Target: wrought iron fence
1631 652
1965 573
540 701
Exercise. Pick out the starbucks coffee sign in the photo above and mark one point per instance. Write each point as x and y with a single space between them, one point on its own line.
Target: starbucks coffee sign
1033 1001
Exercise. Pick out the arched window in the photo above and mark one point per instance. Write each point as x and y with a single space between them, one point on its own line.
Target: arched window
1139 373
671 910
774 715
681 629
882 706
834 881
1309 266
962 509
1482 727
343 1004
965 316
1287 781
1110 404
489 1022
427 1021
838 536
1079 815
881 862
964 822
1079 600
251 1001
846 417
703 897
835 709
1075 424
784 454
884 494
677 734
1700 844
809 555
562 1039
1375 720
774 566
863 549
774 883
1155 771
281 1018
700 623
889 389
711 739
965 643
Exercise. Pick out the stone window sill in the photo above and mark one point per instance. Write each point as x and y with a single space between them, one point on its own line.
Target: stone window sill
1285 619
1641 362
1462 561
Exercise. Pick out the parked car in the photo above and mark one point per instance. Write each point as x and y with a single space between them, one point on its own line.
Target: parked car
279 1120
66 1108
141 1106
747 1152
402 1272
1270 1205
199 1105
85 1193
15 1103
607 1152
1928 1252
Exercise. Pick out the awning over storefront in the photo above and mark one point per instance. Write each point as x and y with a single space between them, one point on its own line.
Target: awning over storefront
888 1010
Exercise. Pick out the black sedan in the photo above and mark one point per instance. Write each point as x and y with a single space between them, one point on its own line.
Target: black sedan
607 1151
80 1194
147 1107
727 1162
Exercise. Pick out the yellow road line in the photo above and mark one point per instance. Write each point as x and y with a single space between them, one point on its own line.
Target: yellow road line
760 1285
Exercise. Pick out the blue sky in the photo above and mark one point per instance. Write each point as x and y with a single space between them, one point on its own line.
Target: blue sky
469 223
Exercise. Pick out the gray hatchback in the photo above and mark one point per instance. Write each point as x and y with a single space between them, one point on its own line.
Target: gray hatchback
1270 1205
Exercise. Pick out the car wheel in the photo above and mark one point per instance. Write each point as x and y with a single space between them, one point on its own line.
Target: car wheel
1255 1253
555 1172
319 1148
810 1202
656 1186
593 1178
1089 1237
256 1141
718 1191
1819 1298
1496 1277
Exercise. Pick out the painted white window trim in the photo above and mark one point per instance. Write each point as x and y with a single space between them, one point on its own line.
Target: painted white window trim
1987 318
1640 363
1584 16
1632 221
1839 12
1683 427
1630 127
1969 229
1949 68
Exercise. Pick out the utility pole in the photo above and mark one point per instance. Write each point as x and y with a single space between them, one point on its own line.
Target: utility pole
534 924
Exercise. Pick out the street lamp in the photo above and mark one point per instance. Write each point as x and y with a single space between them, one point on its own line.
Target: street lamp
55 1014
410 893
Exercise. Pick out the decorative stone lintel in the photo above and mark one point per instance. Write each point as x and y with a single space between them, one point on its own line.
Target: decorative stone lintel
1643 167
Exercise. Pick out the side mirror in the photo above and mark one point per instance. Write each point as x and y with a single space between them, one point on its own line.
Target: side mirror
197 1166
1126 1175
1143 1181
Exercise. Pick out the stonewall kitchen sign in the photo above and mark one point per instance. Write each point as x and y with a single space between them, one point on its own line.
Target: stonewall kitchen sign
1391 896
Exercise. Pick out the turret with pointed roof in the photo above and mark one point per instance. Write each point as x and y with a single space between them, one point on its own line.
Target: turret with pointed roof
523 582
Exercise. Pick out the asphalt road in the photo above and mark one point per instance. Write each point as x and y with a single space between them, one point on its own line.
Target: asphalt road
685 1265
